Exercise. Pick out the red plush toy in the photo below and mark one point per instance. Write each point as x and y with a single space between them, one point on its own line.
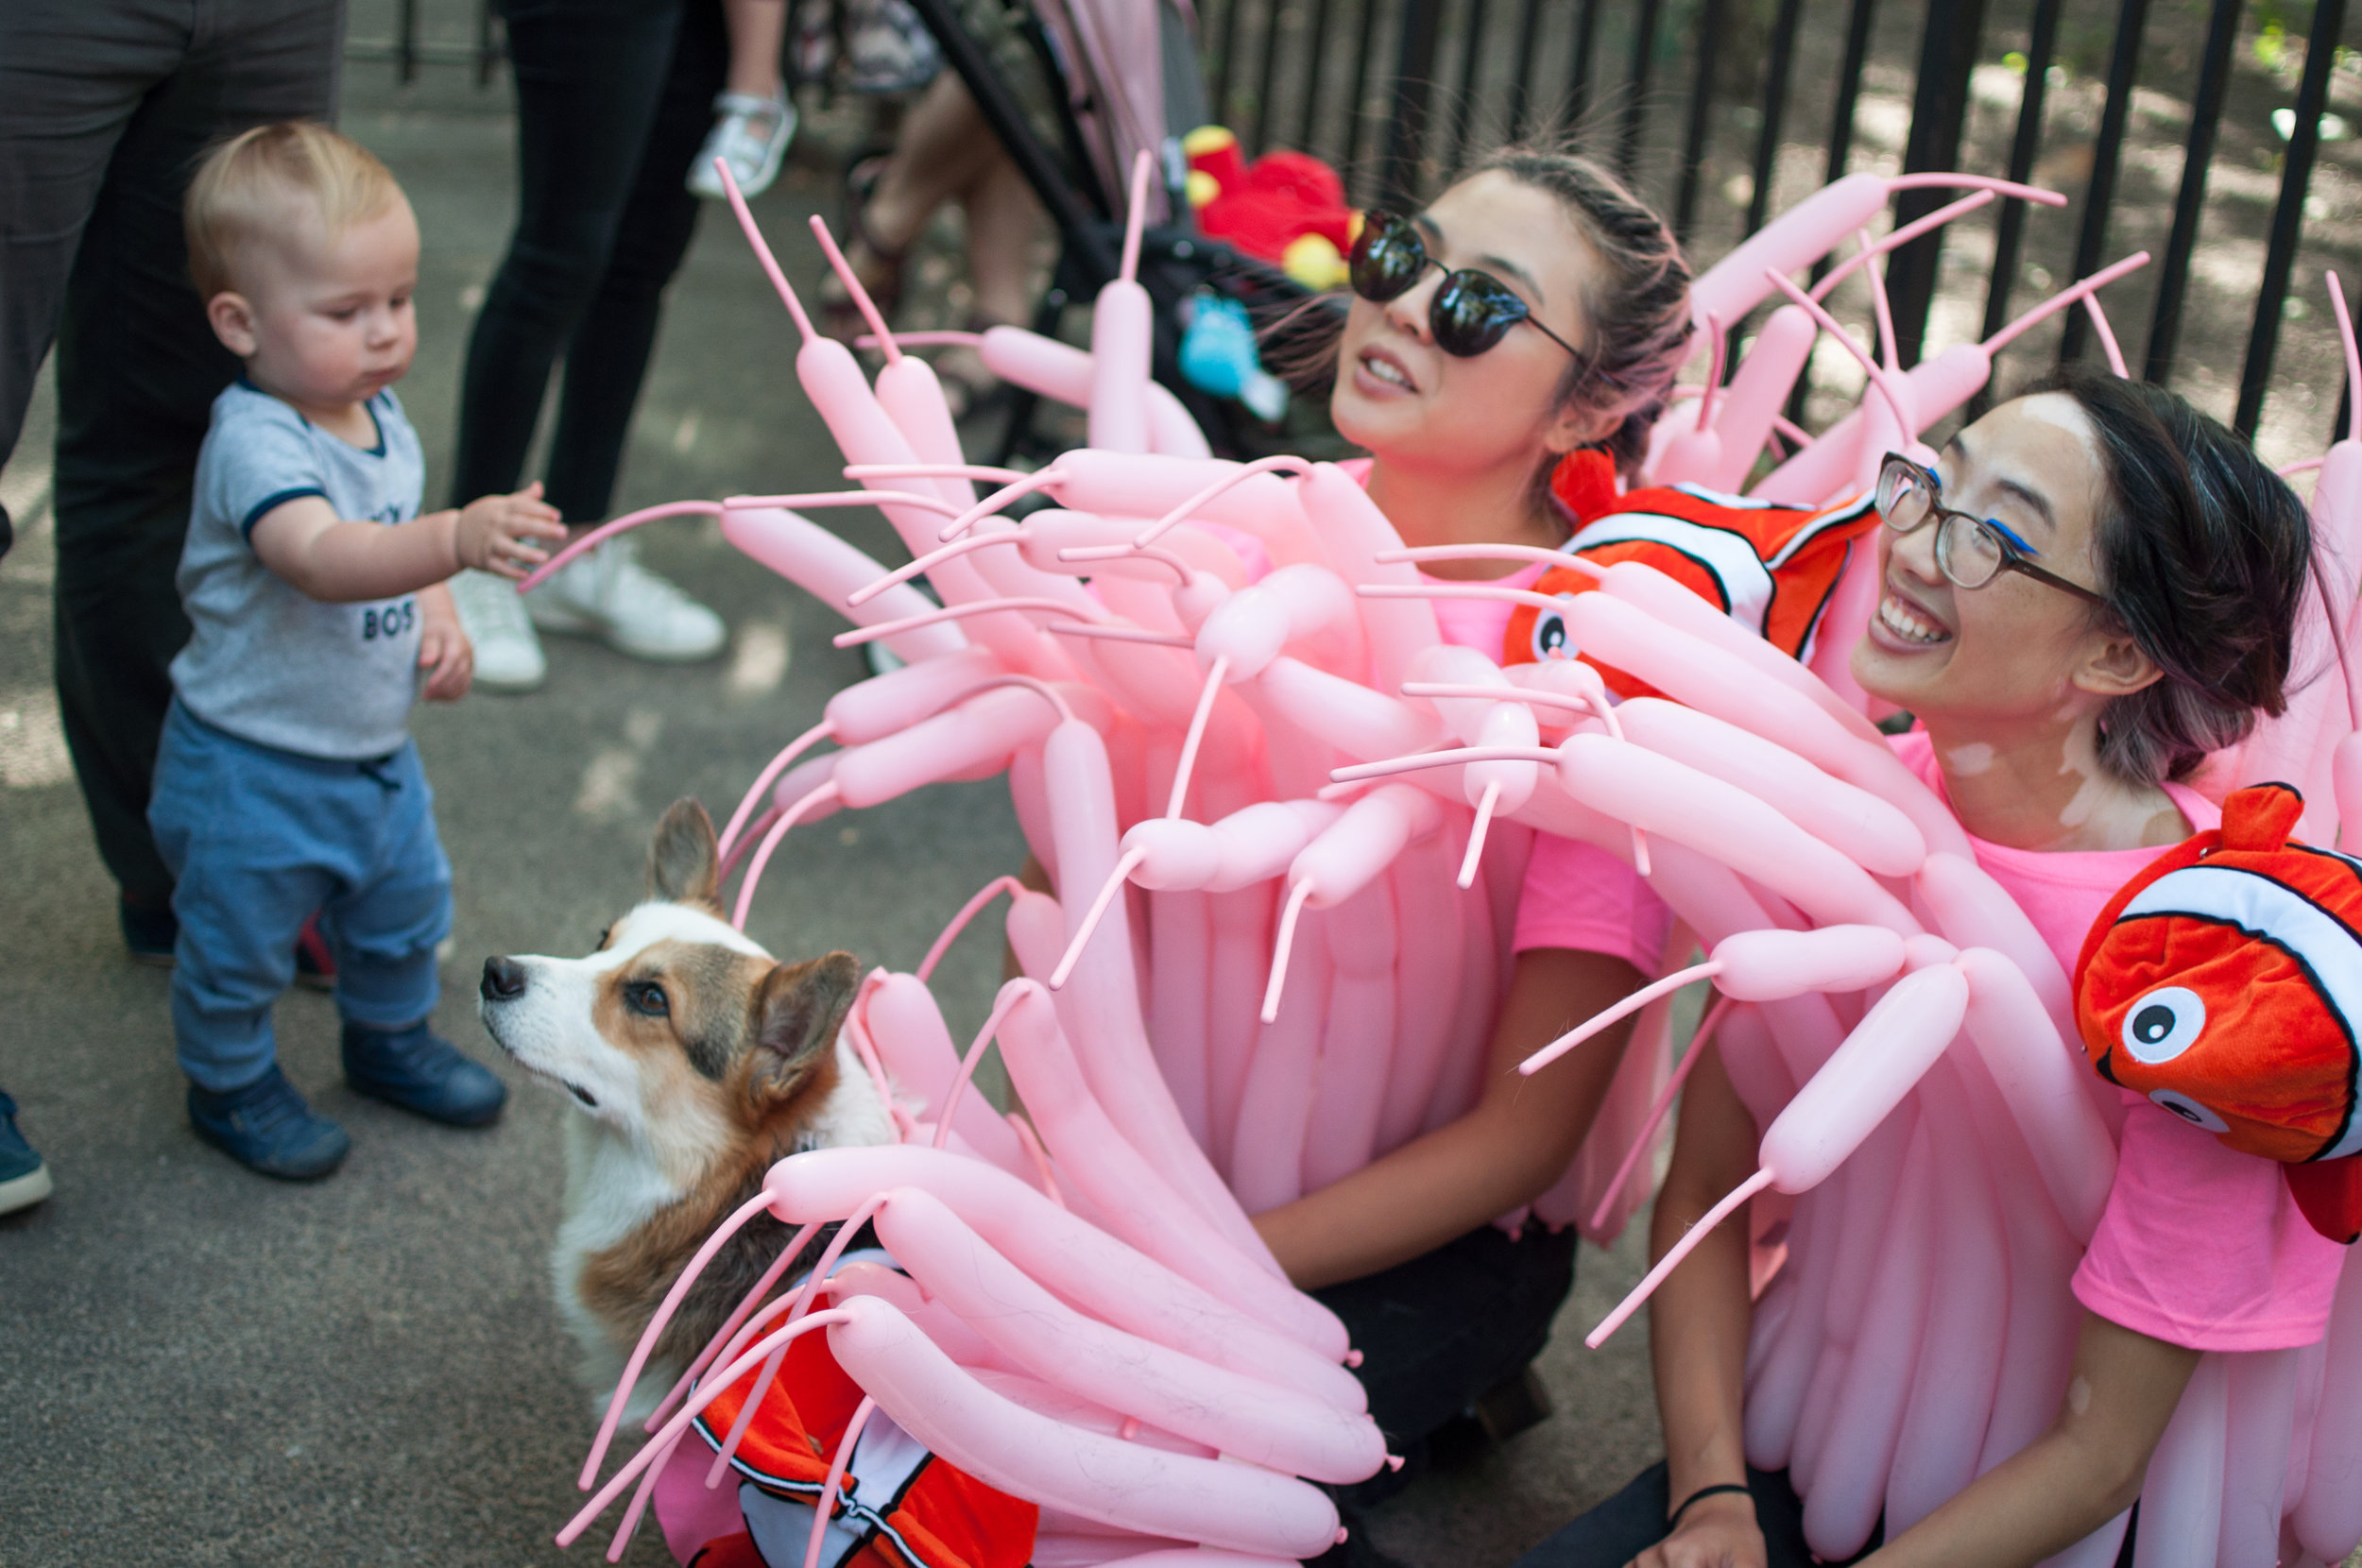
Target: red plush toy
1286 207
2225 983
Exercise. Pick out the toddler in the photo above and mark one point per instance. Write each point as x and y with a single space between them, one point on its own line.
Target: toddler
287 781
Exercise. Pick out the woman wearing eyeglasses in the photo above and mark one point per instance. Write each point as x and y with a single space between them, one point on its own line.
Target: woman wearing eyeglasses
1533 309
2094 588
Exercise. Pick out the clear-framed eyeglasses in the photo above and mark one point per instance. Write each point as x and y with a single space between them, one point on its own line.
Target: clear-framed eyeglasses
1970 551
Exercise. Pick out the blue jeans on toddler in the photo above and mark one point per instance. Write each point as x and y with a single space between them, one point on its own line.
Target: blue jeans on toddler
259 839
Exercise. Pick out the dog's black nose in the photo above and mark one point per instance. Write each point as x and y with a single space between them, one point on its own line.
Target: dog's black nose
504 979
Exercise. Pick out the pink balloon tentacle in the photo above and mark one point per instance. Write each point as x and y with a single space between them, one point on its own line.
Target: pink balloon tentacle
1459 590
1450 758
1235 477
1681 1249
1011 995
660 1445
1034 684
1881 307
1030 1142
1793 434
857 1026
1899 237
823 499
824 1507
920 565
1040 479
639 1505
1491 798
1195 738
727 1339
1976 182
826 793
2304 465
762 250
2353 358
1673 1083
932 471
1087 553
648 1335
824 730
2064 297
607 531
1625 1009
1120 634
1125 865
1719 345
968 912
1497 694
1135 221
931 339
2107 337
861 302
1490 553
746 845
860 634
1827 323
1281 948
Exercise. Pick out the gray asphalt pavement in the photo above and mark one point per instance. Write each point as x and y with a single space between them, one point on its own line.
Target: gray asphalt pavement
198 1366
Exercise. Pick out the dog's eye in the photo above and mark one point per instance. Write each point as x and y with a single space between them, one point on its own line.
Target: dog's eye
647 998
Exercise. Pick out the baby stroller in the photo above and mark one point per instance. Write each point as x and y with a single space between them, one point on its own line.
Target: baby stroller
1126 79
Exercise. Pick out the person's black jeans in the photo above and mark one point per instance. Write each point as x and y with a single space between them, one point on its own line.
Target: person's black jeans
105 110
614 97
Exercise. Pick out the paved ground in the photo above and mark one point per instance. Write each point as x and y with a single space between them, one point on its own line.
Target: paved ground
200 1367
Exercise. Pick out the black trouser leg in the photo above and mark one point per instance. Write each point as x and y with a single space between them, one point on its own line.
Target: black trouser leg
607 356
148 88
592 85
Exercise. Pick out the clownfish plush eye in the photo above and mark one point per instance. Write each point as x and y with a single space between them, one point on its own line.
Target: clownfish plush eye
2164 1024
1549 634
2189 1109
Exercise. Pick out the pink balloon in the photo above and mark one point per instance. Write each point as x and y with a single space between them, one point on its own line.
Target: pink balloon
1123 1484
982 730
1970 910
1301 606
1734 285
2260 1410
1358 1036
1356 533
1261 504
2181 1527
918 1051
2037 1073
956 1337
1062 372
1879 1063
1121 323
2331 1509
1274 1111
877 707
1085 1265
1428 992
1034 1332
1364 723
1770 965
826 567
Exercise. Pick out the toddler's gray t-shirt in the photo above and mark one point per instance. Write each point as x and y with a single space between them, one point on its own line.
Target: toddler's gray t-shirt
264 661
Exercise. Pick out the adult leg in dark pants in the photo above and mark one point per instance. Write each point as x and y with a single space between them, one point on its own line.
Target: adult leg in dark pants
1436 1334
104 112
613 99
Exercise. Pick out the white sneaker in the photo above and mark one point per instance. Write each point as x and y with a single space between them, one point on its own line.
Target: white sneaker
751 137
507 653
610 595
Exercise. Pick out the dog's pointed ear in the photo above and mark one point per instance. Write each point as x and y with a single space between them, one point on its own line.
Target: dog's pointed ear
798 1009
683 866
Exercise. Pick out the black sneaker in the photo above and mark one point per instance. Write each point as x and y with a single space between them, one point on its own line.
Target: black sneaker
418 1070
267 1127
24 1179
149 933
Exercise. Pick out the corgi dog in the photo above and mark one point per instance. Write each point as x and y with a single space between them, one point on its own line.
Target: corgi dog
693 1061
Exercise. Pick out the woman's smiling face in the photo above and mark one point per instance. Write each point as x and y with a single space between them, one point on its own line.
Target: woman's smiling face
2016 648
1403 398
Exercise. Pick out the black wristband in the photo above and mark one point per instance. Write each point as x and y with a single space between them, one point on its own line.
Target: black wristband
1674 1521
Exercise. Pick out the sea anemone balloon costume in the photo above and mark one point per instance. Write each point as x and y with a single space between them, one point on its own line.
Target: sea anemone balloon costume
1286 822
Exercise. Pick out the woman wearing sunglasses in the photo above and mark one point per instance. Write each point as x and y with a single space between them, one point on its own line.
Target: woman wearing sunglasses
2093 589
1533 309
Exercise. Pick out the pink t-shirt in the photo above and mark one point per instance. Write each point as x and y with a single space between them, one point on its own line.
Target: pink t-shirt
2199 1246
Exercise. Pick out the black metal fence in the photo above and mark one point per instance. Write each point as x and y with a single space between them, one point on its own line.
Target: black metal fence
2184 126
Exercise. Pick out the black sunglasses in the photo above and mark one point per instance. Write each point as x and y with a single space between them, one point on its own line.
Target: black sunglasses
1470 313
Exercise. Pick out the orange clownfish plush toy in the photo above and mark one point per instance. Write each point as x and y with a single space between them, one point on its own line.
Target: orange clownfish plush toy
2225 983
1769 567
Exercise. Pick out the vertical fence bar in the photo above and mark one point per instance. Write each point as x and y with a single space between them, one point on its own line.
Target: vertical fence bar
1710 20
1267 78
1947 52
1356 108
2320 46
1521 85
1776 71
1471 61
2009 233
2100 195
2214 78
1636 88
1318 57
406 42
1840 151
486 57
1415 70
1224 52
1579 70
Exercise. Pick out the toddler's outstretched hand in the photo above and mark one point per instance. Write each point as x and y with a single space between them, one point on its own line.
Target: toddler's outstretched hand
444 650
493 530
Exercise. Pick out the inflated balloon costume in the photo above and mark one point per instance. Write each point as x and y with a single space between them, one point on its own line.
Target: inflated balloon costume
1286 820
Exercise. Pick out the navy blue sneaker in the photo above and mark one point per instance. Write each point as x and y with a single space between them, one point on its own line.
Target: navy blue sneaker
420 1071
149 933
267 1127
24 1179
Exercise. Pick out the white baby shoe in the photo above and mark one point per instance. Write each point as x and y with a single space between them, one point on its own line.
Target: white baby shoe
751 137
507 653
608 594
